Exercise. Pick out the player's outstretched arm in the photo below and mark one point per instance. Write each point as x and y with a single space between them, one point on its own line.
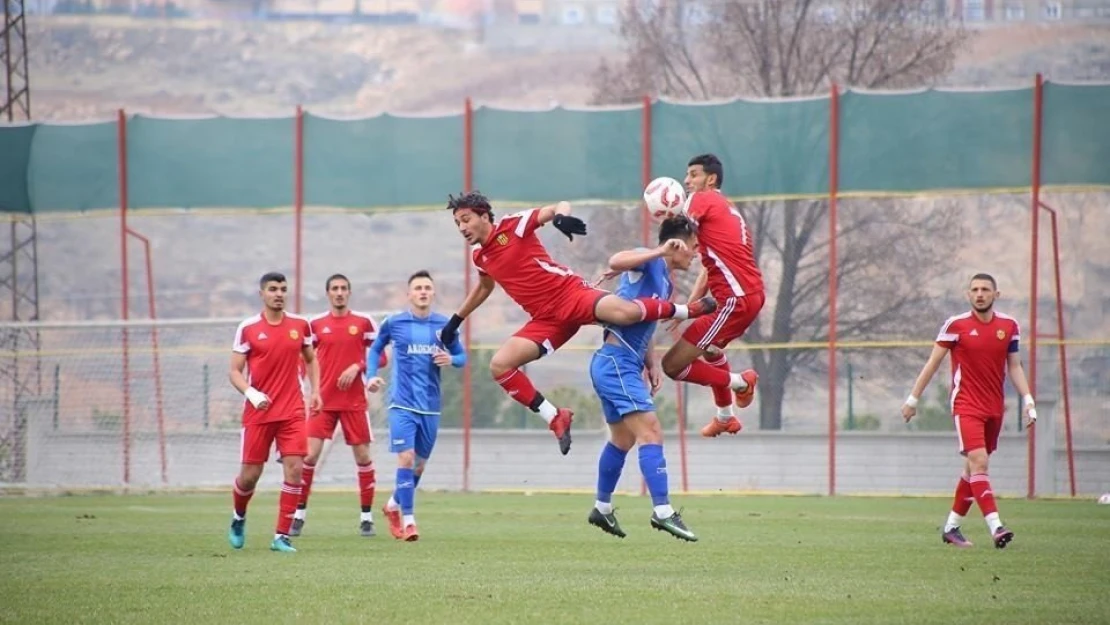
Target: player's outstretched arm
547 214
909 408
449 335
630 260
701 285
1021 383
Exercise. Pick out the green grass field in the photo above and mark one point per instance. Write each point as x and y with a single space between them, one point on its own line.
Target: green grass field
533 559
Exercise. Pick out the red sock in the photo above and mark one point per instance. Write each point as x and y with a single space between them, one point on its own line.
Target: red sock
519 387
722 395
961 505
307 473
287 505
701 372
366 485
655 309
984 496
240 498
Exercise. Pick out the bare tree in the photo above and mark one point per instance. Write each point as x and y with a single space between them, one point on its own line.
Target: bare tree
778 48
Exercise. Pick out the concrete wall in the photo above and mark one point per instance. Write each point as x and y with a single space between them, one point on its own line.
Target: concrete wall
876 463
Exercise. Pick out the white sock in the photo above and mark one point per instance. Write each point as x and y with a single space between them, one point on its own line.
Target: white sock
993 522
681 311
301 513
235 516
724 413
410 519
548 411
277 536
391 505
366 516
604 507
664 511
738 383
954 521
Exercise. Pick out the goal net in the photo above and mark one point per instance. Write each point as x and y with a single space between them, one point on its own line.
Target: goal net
143 404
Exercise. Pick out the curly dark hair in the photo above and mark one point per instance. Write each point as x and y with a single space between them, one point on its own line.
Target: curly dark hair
474 200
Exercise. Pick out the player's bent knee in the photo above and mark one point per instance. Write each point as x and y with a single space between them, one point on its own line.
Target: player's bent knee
406 459
361 453
645 427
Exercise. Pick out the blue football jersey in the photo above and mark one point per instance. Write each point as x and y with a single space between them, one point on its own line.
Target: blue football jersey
652 279
414 384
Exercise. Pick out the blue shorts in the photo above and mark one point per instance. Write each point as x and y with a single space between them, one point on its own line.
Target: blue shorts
412 430
618 377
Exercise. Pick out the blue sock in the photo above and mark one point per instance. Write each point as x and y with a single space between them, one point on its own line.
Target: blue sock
404 490
654 467
609 467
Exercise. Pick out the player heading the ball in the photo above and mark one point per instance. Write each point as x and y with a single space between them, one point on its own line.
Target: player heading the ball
508 253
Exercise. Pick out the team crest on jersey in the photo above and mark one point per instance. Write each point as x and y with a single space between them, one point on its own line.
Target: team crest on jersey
352 330
503 239
1001 334
293 334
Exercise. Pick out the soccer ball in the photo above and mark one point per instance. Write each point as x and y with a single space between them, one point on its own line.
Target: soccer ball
1104 499
664 198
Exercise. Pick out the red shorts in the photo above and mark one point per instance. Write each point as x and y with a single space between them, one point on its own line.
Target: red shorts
356 425
575 309
257 438
731 320
978 432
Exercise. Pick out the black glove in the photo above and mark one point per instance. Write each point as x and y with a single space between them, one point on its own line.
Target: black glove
570 226
450 332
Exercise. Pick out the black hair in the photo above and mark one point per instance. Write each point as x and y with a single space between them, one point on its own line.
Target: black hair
677 227
474 200
712 165
272 276
985 276
423 273
336 276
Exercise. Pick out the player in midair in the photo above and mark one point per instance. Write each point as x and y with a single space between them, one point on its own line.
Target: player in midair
269 347
341 337
730 273
414 401
984 344
618 371
508 253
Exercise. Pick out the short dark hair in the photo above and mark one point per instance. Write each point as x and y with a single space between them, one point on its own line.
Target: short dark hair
985 276
423 273
712 165
474 200
336 276
271 276
677 227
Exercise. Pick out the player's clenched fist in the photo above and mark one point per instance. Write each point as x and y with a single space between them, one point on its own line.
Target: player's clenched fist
375 384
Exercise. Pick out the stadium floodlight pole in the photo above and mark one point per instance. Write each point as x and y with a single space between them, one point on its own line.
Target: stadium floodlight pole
468 185
298 206
834 183
125 301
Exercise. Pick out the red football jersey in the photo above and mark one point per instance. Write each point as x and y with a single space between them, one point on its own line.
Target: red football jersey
342 342
979 352
516 259
274 365
726 245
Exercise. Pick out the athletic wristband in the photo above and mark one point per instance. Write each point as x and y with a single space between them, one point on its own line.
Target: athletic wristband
1028 400
255 396
911 401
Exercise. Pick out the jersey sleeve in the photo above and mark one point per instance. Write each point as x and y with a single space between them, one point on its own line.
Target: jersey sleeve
315 331
241 344
1015 339
309 337
948 335
526 222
